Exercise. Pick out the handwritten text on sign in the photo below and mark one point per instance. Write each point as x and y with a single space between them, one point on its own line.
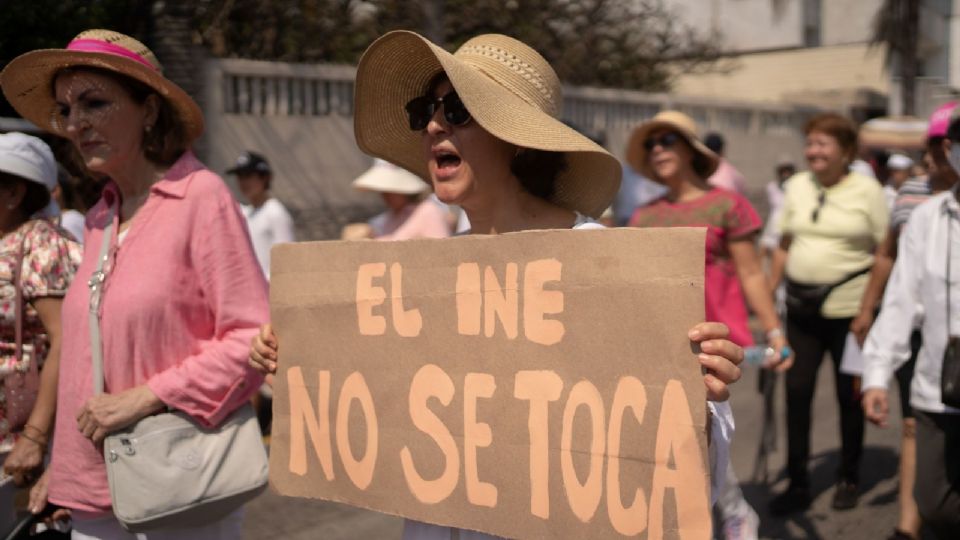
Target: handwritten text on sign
531 385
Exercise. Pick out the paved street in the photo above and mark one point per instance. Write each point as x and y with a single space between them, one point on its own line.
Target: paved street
875 516
272 516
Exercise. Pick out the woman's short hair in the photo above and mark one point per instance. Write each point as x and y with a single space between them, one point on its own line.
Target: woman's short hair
166 141
36 197
837 126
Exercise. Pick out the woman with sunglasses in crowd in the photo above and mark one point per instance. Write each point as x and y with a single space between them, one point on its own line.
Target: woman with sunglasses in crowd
481 126
667 150
832 220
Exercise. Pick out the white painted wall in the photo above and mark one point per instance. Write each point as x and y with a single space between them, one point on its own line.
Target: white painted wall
848 21
746 24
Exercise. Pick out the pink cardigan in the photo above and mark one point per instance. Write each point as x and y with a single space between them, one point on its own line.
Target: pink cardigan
180 306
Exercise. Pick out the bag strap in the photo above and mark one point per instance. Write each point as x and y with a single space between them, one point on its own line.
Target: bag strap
96 283
18 309
946 277
850 277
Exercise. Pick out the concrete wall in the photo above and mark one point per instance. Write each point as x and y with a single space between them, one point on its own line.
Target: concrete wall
798 75
757 135
300 117
953 44
848 21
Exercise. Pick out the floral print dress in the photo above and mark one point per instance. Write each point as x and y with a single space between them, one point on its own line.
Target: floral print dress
50 260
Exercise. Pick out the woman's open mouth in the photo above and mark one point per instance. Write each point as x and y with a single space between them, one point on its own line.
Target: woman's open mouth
446 162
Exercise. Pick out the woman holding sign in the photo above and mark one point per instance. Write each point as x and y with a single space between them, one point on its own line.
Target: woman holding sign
481 125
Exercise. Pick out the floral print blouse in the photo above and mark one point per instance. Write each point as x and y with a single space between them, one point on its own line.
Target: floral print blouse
50 260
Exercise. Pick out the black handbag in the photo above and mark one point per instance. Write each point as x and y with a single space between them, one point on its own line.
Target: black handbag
950 374
32 527
806 300
950 371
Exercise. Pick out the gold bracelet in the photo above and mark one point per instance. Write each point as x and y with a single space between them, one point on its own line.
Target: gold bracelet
41 432
42 445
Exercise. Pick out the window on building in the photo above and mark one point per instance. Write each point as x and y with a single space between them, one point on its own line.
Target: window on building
811 23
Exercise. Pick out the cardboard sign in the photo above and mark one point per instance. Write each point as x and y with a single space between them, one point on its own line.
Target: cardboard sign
530 385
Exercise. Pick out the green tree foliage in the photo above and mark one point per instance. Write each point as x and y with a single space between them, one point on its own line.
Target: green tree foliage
300 30
26 25
618 43
615 43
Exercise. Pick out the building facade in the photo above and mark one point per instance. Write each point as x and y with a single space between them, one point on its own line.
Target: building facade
818 52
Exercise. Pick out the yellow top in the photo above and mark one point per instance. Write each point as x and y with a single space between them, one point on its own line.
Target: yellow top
849 224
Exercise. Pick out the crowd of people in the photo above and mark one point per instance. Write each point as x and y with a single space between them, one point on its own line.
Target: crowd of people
158 292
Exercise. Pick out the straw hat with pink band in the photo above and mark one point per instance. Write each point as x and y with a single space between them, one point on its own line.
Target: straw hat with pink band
28 80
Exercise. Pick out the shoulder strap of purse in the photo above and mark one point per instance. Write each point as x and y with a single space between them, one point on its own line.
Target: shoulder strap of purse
949 256
97 280
18 308
850 277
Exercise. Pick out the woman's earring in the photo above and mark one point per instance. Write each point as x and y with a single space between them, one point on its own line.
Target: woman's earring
147 128
11 206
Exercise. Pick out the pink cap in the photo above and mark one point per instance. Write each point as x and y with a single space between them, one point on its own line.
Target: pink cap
940 120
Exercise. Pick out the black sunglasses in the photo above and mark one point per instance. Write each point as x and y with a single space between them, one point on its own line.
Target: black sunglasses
421 110
666 140
821 199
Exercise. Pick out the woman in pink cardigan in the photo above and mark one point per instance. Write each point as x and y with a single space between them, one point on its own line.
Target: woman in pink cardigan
183 294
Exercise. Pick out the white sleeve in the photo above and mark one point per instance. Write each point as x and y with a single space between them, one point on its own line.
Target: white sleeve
721 435
888 343
283 230
588 225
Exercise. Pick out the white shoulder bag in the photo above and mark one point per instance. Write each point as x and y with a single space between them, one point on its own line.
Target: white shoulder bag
166 471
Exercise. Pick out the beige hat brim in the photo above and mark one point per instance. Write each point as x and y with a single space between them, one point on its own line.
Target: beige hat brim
27 83
637 154
398 67
390 180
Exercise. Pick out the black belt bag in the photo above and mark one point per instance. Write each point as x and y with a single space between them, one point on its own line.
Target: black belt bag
950 374
805 300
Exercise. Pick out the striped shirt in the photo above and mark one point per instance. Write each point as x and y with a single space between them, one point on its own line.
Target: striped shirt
913 192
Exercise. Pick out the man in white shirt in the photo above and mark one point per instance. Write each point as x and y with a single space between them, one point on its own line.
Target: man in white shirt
268 220
929 248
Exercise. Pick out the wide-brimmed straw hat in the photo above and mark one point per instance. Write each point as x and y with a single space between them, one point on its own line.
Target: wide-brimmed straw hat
27 81
385 177
511 92
673 121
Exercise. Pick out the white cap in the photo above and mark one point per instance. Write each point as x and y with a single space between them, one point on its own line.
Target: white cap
385 177
29 158
899 162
